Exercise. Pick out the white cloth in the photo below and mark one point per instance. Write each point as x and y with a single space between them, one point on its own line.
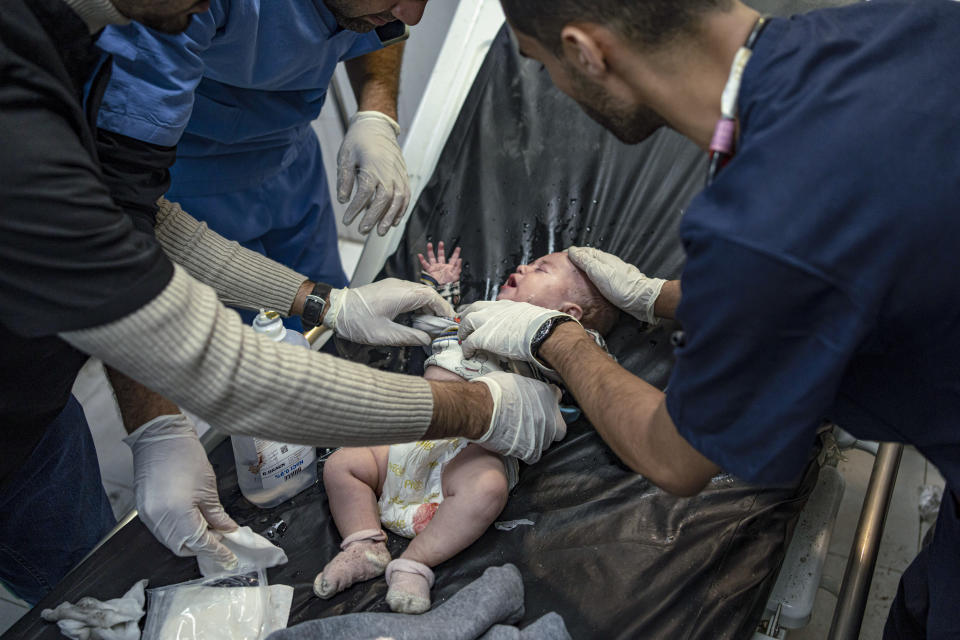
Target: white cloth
625 286
370 156
365 314
446 352
92 619
252 551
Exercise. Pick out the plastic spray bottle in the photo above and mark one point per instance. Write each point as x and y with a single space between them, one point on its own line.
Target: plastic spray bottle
270 472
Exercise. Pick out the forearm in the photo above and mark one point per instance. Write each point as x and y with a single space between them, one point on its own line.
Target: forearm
629 414
186 346
375 78
665 306
138 404
241 277
619 405
459 409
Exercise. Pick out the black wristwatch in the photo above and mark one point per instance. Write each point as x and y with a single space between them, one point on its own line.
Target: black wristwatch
544 332
314 304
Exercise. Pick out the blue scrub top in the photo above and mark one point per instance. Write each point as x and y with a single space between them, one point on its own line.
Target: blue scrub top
823 265
235 92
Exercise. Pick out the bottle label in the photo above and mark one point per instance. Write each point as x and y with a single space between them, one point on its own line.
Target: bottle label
278 463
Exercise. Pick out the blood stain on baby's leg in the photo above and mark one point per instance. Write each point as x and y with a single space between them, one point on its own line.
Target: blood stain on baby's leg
424 515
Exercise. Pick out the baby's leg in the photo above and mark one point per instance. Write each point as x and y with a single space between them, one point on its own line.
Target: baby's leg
353 477
474 494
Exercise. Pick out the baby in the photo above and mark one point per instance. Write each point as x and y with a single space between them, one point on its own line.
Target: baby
442 493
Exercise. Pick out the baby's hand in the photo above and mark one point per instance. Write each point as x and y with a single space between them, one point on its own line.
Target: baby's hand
438 268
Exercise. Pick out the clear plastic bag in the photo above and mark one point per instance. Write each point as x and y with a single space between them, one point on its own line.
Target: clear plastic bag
222 607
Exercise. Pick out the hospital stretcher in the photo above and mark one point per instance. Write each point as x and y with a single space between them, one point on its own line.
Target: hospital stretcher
509 169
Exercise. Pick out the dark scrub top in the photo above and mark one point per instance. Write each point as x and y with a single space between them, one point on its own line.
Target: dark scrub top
823 265
69 258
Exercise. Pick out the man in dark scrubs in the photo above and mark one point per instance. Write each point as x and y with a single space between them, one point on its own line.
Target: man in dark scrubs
822 279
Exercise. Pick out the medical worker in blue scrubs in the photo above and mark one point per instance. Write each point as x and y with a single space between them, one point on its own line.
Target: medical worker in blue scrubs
822 280
218 119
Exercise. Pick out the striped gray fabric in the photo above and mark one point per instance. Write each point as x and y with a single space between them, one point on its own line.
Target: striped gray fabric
242 278
188 347
97 13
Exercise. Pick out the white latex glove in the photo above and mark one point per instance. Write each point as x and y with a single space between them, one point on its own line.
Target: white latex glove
365 314
92 619
253 551
526 417
176 490
625 286
504 327
371 156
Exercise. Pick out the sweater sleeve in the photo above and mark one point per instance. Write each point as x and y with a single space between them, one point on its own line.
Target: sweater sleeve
188 347
242 278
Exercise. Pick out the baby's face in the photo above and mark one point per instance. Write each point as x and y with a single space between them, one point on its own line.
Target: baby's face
546 282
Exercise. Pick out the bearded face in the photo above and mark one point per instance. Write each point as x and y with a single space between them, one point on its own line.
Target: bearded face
364 15
348 17
630 123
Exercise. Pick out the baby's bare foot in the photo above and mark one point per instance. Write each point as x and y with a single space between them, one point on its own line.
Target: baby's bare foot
361 559
410 583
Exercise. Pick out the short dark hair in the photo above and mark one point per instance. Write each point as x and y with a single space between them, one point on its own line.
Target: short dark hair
648 23
598 313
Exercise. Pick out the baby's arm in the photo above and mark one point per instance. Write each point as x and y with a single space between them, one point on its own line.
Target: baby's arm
440 273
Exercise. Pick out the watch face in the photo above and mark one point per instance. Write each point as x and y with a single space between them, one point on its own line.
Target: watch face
312 309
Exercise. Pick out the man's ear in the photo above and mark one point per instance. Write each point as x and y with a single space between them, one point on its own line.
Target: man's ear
582 50
572 308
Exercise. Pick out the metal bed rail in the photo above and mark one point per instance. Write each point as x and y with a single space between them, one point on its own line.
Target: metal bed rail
852 600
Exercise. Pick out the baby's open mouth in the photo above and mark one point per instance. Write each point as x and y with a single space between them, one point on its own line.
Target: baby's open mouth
511 281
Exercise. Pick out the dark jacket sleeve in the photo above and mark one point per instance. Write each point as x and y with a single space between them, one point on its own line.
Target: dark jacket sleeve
137 174
69 257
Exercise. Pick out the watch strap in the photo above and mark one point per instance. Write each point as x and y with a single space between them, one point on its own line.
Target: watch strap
545 330
315 304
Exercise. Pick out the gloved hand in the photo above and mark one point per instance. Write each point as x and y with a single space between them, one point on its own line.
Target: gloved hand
371 155
504 327
526 417
365 314
176 490
625 286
